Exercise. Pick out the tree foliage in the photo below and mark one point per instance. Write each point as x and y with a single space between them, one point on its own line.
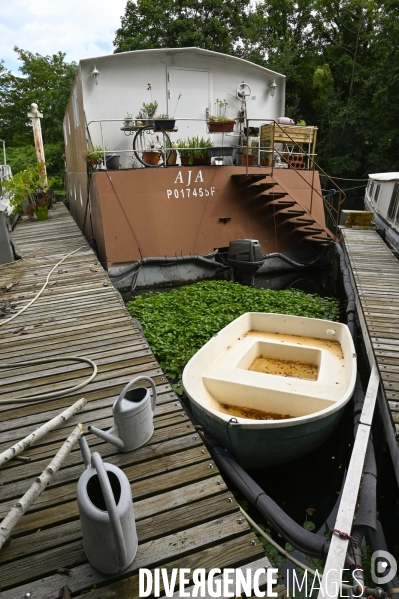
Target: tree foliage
340 57
211 24
47 81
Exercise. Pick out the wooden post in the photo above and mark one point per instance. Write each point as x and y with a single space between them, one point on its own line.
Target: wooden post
35 116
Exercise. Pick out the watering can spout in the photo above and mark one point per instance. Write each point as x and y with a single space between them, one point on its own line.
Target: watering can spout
108 436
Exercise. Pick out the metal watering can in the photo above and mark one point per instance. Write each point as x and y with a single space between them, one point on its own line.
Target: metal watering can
106 514
133 414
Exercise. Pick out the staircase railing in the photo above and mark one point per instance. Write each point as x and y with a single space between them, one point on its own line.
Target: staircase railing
332 211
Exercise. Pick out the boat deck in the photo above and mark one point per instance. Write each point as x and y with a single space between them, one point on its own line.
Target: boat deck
185 514
375 277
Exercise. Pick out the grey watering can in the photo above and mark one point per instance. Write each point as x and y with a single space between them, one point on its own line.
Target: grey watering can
106 514
133 414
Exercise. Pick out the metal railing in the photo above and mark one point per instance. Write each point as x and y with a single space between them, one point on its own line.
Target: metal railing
244 125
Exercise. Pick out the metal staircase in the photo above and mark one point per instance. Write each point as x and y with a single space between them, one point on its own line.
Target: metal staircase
289 211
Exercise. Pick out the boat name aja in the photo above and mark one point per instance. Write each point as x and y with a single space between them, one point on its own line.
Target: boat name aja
190 191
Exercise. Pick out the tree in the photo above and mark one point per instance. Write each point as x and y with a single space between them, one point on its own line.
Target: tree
46 80
210 24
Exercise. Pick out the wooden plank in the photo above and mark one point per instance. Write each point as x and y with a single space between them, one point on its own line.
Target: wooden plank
69 536
182 506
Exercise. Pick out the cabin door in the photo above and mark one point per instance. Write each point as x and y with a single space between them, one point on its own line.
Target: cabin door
194 88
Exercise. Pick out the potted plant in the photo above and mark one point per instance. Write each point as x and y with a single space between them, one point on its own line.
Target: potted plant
154 149
128 120
94 156
162 122
146 113
194 150
219 122
30 189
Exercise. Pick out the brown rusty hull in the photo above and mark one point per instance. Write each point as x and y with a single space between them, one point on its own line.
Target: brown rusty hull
181 211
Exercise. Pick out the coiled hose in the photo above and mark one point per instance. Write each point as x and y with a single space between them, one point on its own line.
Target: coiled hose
40 397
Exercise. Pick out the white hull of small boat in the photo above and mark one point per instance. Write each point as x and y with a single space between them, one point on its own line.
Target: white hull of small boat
272 387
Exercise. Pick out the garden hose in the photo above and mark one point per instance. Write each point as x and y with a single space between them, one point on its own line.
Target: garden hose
39 397
41 290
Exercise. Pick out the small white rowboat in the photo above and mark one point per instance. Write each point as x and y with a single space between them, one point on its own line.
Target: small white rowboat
271 387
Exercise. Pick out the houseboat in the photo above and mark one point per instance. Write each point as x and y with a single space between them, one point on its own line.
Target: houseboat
382 198
162 196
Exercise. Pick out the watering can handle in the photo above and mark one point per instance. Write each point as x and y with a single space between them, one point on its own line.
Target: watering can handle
133 382
115 522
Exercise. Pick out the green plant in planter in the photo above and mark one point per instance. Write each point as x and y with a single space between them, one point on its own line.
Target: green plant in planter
193 147
147 111
31 184
94 155
221 111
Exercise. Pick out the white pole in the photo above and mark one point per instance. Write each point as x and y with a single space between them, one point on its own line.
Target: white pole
39 433
335 562
37 487
35 116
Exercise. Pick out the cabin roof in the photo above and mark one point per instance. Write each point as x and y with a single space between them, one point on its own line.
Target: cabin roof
191 50
385 176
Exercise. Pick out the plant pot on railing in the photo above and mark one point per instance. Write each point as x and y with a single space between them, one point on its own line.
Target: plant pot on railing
196 160
164 124
202 160
220 126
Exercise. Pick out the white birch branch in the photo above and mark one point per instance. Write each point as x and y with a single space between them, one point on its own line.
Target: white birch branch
38 486
39 433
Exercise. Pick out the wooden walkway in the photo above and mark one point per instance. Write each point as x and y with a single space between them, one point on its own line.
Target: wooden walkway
185 514
375 277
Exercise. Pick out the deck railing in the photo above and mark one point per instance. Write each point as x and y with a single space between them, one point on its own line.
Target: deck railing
271 135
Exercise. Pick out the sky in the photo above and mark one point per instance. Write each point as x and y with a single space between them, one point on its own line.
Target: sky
80 28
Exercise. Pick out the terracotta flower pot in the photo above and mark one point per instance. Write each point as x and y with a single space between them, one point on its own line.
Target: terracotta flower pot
247 159
220 126
151 158
203 160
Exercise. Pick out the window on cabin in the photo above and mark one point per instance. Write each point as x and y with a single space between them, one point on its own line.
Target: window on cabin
371 189
376 193
75 107
393 204
65 134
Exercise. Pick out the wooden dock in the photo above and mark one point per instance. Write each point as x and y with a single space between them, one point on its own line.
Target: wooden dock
185 514
375 278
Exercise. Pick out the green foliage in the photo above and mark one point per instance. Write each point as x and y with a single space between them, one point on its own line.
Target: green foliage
211 24
147 110
45 80
94 155
178 323
20 157
221 111
26 184
185 147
